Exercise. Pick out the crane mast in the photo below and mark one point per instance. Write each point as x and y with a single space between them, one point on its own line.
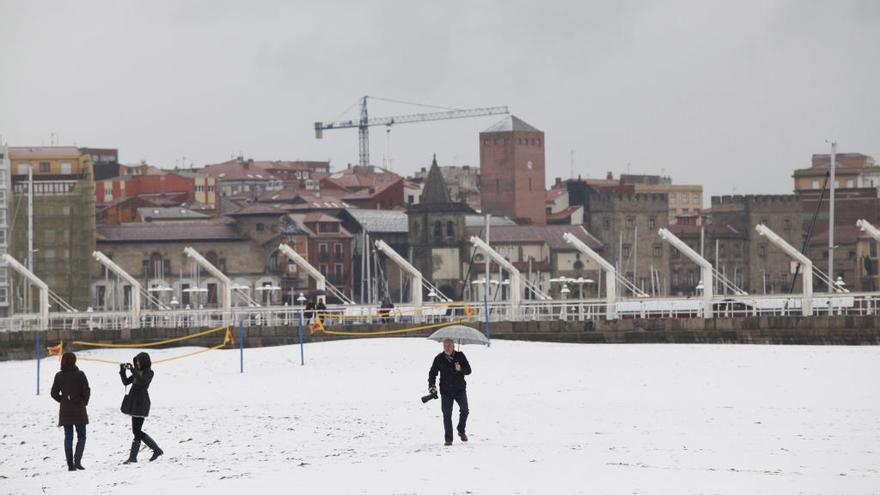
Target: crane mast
365 122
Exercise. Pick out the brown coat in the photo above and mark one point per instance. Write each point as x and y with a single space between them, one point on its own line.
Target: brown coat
71 390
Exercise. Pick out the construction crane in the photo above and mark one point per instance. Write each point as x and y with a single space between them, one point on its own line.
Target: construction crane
365 122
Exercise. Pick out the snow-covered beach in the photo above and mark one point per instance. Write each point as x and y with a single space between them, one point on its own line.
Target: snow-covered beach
545 418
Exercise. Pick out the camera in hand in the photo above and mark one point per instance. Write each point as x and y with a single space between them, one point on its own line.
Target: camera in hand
431 396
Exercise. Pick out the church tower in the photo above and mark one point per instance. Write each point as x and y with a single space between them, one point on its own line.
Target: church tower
436 234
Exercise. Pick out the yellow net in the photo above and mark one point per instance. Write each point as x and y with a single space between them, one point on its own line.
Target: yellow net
227 339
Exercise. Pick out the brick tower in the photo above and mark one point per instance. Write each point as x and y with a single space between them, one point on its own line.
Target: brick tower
512 171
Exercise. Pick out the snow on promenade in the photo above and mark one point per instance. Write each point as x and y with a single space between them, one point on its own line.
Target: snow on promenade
545 418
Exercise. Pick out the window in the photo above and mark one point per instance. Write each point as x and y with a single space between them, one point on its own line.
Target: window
652 222
497 185
410 199
762 250
260 227
530 184
630 221
722 249
338 273
337 251
606 222
415 229
66 168
658 250
100 293
815 184
675 279
485 141
23 168
450 229
786 223
45 167
626 249
873 249
323 251
323 269
273 266
539 142
438 230
212 294
676 254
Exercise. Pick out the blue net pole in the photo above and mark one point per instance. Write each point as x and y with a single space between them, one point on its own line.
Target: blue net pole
241 346
37 353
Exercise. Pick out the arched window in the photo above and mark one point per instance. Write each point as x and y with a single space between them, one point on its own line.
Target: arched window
450 229
155 268
273 266
438 230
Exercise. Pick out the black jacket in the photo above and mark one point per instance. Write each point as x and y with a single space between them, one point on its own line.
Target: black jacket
451 381
71 390
140 383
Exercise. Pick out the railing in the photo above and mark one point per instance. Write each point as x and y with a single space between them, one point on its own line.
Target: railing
555 310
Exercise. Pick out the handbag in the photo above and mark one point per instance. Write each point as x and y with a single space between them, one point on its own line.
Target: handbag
126 403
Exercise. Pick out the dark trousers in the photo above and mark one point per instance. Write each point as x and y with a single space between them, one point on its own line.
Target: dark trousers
140 435
80 442
137 425
446 405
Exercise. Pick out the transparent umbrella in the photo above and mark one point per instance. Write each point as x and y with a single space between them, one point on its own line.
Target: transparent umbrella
460 334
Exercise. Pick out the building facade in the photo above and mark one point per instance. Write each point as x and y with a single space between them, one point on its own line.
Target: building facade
628 224
512 171
63 221
768 269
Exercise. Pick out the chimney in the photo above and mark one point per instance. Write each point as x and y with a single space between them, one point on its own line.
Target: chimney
609 176
558 182
249 164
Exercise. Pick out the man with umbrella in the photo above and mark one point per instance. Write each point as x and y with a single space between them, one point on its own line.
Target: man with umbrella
452 366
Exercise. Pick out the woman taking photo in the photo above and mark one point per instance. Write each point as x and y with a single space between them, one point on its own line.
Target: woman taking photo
71 390
137 403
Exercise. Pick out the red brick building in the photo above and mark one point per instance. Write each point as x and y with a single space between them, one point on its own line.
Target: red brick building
198 188
512 171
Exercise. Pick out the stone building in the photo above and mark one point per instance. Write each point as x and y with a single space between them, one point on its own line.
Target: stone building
540 253
722 245
684 199
769 268
628 224
436 234
153 253
512 179
63 220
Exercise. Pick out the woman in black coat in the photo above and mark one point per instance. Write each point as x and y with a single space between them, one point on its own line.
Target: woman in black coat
139 403
71 390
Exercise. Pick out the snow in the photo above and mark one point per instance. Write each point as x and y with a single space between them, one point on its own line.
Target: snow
545 418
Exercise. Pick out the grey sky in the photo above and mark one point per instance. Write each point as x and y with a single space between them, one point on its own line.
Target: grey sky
731 95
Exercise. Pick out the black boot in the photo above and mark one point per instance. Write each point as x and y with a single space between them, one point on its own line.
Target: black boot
78 455
152 445
133 456
68 454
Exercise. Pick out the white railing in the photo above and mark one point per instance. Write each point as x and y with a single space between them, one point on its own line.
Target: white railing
724 306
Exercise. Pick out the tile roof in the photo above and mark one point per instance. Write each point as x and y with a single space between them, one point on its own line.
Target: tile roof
196 230
551 234
257 209
480 221
380 220
512 123
167 213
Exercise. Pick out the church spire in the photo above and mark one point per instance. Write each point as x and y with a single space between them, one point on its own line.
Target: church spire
435 191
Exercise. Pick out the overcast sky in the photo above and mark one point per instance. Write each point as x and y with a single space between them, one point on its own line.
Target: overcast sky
730 96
